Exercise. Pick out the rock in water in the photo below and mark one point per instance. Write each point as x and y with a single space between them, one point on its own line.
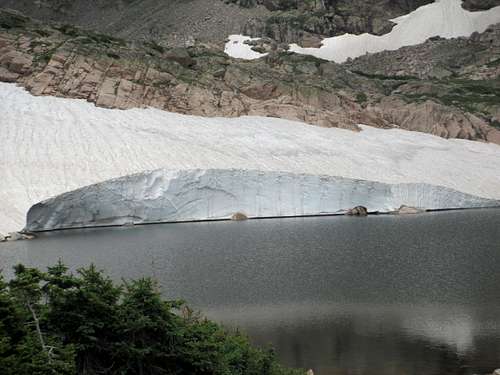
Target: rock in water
17 236
358 211
407 210
2 237
239 216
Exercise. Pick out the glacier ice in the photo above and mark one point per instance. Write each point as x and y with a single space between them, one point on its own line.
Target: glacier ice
166 195
444 18
54 145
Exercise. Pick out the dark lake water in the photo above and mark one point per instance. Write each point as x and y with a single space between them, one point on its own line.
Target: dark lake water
377 295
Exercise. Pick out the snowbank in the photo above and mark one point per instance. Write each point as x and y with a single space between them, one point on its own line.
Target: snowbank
164 195
237 48
444 18
53 145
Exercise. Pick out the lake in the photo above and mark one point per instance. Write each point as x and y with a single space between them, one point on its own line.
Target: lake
341 295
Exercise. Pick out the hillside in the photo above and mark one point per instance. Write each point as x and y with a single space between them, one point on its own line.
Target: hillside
66 61
173 22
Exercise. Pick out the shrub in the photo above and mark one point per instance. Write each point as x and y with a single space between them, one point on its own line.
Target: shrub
58 323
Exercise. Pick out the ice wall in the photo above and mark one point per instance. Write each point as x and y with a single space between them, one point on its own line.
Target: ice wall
183 195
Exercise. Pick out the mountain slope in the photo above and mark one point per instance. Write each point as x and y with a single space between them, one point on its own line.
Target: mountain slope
444 18
173 22
66 61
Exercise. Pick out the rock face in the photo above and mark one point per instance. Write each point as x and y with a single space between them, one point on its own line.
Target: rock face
174 22
201 80
480 4
301 22
165 195
438 58
169 22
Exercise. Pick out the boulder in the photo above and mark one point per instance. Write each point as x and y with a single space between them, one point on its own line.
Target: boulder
181 56
408 210
18 236
357 211
238 216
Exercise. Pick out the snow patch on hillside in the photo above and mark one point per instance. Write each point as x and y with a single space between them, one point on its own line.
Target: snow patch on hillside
444 18
237 48
53 145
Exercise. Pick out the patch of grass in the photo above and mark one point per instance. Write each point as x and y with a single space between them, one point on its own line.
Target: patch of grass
155 46
361 97
43 33
386 78
106 39
493 64
495 123
68 30
44 57
113 55
11 20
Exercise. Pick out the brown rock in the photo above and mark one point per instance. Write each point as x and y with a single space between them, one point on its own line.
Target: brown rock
239 216
407 210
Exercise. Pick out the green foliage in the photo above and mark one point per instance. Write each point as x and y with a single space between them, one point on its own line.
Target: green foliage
384 77
11 19
155 46
58 323
493 64
361 97
68 30
44 57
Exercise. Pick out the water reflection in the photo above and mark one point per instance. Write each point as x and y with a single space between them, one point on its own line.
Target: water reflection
374 339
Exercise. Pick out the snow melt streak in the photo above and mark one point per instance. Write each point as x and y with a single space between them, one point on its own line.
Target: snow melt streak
53 145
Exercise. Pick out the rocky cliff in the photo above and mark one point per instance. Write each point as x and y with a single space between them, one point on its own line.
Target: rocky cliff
65 61
173 22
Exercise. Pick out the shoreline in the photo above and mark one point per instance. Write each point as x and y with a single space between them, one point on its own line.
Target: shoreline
370 213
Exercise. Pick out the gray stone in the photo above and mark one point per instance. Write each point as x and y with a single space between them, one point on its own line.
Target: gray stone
358 211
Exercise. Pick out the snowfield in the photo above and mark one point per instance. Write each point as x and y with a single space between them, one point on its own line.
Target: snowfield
237 48
53 145
444 18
